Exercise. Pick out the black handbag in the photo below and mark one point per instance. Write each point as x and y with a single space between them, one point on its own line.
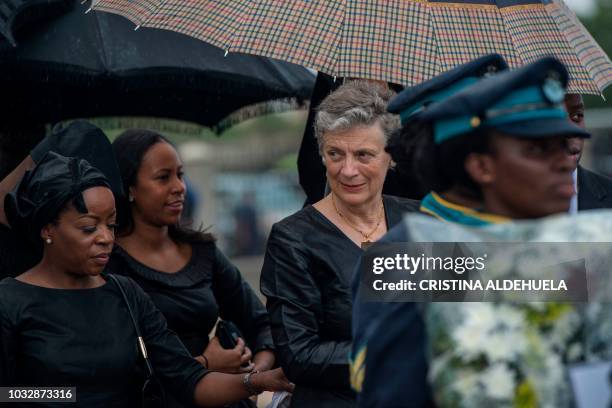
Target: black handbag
152 394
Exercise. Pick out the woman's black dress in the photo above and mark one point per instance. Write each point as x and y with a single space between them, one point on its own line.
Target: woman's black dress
192 299
86 339
306 277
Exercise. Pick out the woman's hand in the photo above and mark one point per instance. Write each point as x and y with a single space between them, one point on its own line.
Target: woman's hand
218 389
229 361
264 360
271 380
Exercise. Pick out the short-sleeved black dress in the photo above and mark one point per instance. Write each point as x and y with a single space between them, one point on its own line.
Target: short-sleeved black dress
85 339
193 298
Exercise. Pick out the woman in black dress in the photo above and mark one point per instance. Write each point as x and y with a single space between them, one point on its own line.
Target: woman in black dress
311 255
63 323
188 278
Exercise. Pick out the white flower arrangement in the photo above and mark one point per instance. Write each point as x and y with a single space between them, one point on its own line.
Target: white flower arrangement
498 381
516 354
487 354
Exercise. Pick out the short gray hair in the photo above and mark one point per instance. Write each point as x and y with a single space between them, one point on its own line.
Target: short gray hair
356 103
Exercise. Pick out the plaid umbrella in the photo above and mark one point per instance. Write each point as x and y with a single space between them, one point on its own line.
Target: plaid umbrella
399 41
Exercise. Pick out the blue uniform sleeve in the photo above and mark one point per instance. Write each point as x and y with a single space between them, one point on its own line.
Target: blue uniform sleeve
388 355
391 365
364 313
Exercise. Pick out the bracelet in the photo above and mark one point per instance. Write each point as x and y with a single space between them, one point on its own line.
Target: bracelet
205 360
246 381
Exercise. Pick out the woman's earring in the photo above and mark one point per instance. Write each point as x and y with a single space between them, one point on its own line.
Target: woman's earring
49 240
131 198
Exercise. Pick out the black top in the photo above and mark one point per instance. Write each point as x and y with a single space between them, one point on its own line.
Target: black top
86 339
306 277
192 299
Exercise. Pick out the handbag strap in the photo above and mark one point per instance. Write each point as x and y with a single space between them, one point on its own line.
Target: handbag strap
141 343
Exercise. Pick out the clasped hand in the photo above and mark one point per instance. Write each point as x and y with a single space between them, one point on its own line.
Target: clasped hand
232 361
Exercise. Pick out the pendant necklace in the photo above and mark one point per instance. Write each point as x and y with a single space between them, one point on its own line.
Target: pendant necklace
366 235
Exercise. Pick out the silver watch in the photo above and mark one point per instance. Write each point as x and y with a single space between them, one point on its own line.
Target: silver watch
246 380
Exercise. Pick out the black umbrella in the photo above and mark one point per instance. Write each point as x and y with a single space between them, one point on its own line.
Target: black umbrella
16 13
95 64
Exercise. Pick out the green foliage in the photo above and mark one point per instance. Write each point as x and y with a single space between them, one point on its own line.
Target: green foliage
291 123
288 162
526 396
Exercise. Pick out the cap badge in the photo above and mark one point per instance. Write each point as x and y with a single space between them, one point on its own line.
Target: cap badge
553 90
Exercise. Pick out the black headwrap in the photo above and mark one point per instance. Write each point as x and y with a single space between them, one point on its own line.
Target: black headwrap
44 190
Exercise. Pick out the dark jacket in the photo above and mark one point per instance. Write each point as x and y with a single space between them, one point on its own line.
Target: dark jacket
594 190
306 278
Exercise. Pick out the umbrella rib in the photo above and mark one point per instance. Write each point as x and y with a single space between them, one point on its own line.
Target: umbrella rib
147 18
515 46
436 42
103 50
573 20
563 37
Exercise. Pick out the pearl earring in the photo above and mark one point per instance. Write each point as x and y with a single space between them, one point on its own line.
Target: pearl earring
49 241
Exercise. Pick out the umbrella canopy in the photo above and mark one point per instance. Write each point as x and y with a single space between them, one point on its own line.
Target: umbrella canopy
399 41
16 13
89 65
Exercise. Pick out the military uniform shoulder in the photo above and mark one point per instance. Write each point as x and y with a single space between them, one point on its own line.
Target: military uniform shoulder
398 233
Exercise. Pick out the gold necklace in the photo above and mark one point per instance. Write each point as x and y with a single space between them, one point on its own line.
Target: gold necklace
366 236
